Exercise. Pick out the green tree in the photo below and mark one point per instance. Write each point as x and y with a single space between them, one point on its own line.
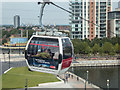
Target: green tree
117 48
8 35
81 47
95 49
94 41
114 40
30 33
88 50
108 48
14 31
76 45
4 41
84 48
101 51
4 32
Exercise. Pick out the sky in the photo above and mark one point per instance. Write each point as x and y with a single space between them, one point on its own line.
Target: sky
30 10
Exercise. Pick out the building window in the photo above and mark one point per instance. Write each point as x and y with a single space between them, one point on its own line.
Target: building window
76 29
76 17
76 25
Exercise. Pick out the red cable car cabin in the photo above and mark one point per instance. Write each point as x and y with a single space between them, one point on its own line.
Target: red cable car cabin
49 54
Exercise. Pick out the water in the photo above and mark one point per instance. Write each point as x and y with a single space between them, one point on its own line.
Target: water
99 75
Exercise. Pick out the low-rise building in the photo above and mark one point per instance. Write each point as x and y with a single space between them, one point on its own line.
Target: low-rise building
17 42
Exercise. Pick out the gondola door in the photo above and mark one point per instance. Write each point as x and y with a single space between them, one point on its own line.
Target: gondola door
67 53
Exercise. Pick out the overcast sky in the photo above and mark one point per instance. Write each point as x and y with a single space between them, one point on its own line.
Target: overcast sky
29 12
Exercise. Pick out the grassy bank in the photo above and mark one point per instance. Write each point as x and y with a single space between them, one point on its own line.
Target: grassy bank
0 82
16 78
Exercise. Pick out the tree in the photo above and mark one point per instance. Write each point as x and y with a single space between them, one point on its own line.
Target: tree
30 33
76 45
114 40
117 48
108 48
4 33
95 49
101 51
88 50
84 48
94 41
4 41
14 31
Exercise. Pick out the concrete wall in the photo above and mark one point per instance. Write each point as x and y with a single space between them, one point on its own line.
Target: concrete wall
97 63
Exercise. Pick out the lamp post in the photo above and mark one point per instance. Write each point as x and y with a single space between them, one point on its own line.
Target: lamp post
4 56
85 84
72 69
108 84
19 47
26 81
86 81
87 76
9 57
9 52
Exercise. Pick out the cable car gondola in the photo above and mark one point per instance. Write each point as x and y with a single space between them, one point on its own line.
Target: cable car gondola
49 54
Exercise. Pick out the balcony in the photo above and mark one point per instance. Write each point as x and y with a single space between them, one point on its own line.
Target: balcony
117 25
102 22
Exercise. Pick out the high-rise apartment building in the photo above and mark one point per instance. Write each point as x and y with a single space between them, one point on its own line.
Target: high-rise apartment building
16 21
95 11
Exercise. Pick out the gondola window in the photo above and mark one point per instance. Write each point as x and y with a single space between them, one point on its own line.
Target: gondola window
43 52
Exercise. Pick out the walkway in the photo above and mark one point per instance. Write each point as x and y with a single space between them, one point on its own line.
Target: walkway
13 57
79 84
72 83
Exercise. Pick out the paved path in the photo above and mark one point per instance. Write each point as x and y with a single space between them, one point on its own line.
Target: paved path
13 57
16 60
72 83
79 84
54 85
5 65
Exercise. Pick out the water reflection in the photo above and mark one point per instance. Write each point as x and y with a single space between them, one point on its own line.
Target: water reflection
99 75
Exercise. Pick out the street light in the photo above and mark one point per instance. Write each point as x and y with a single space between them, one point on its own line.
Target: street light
19 47
72 69
108 84
26 82
4 56
86 81
87 76
85 84
9 57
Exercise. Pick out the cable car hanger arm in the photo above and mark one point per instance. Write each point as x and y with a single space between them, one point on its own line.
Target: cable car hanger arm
42 8
41 12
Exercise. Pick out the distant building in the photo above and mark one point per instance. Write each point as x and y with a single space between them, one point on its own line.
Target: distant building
16 21
63 27
95 11
119 4
14 40
118 9
114 24
17 41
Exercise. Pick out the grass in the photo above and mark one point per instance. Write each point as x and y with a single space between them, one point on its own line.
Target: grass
16 78
0 82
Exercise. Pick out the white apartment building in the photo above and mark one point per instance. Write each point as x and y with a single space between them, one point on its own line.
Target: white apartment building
95 11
